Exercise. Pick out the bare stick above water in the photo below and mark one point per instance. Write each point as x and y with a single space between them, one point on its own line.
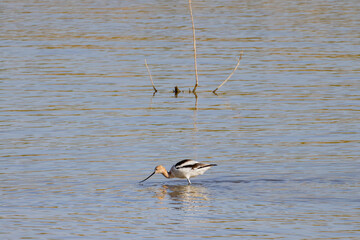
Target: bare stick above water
150 76
194 41
238 62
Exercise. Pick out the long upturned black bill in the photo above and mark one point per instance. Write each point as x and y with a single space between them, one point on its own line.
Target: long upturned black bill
147 177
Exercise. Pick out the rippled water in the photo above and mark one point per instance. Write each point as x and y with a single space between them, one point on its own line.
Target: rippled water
80 125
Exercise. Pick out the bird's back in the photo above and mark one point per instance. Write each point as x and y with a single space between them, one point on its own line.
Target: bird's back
189 168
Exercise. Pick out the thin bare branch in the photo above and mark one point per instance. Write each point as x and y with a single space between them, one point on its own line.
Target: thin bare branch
194 41
238 62
150 76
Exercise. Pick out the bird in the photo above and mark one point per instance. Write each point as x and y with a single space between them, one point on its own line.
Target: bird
186 168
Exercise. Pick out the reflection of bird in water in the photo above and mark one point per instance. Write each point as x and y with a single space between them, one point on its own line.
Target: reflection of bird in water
183 193
184 169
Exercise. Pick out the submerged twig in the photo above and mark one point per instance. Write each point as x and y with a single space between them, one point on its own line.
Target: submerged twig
150 76
238 62
194 42
176 91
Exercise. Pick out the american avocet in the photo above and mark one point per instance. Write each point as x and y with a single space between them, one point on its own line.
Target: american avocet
184 169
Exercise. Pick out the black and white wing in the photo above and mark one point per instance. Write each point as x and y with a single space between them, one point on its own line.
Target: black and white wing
186 163
189 168
191 164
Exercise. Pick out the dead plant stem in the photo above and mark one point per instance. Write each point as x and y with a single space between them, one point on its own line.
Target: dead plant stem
237 65
194 42
152 82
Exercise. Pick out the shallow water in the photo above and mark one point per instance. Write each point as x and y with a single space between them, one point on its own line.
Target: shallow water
80 125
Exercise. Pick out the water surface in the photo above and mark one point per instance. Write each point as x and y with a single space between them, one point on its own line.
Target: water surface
80 125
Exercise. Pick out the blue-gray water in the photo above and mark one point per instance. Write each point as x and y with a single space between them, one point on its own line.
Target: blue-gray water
80 125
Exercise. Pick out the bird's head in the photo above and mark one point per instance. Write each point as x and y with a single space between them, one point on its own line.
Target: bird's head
158 169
